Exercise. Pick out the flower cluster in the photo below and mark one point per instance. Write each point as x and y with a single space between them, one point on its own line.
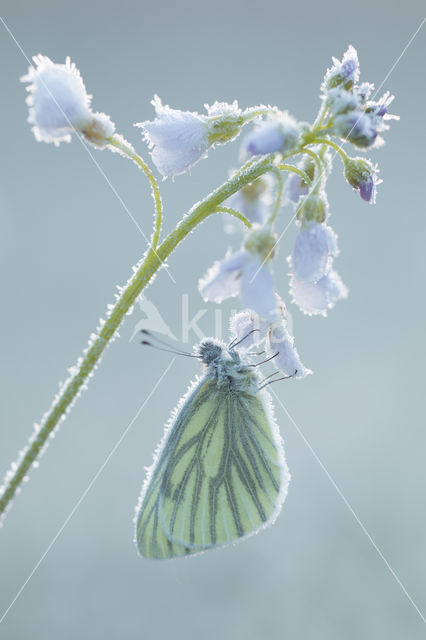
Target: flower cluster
177 140
355 115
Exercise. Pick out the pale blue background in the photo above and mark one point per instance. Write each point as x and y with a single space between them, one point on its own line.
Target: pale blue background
66 242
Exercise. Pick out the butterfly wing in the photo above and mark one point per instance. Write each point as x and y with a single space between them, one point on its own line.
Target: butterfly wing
220 476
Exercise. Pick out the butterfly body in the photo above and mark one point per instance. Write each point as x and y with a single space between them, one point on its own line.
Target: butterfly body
219 473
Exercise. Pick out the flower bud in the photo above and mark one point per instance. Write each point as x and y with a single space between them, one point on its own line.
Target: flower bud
344 73
224 122
362 176
313 208
280 132
261 241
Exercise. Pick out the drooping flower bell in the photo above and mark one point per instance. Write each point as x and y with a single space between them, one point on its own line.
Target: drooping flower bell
279 132
59 104
315 298
179 139
246 273
280 344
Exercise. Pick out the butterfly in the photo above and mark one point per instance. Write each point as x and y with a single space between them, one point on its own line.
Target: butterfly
219 474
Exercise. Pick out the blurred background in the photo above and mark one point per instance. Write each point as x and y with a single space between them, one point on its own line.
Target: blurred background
66 241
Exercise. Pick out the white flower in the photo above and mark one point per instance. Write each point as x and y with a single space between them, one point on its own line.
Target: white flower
241 273
246 327
313 252
314 298
59 104
294 187
179 139
287 359
280 132
253 200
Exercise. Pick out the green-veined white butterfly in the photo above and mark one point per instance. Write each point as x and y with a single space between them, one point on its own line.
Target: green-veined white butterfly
219 473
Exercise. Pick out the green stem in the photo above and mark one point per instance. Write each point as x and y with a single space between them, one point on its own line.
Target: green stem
235 213
300 172
322 113
344 156
152 261
278 200
126 149
315 158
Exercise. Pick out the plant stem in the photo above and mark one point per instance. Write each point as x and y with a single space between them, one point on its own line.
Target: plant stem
336 147
152 261
279 196
235 213
117 142
300 172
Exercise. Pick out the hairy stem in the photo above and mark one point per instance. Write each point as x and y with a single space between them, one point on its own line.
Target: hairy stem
117 142
152 261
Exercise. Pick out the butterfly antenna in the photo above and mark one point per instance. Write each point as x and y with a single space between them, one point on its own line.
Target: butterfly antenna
234 344
264 361
277 380
167 347
270 376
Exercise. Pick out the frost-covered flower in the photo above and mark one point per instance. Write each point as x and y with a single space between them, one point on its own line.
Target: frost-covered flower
179 139
253 200
358 119
345 72
59 104
245 273
357 127
294 188
280 342
362 175
314 298
313 252
279 132
248 328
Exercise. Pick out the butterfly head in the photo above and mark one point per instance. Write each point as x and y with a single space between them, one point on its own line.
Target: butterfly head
210 350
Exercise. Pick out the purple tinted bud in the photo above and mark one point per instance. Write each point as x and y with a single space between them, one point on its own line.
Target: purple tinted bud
280 132
382 110
349 67
366 189
357 127
362 175
266 140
